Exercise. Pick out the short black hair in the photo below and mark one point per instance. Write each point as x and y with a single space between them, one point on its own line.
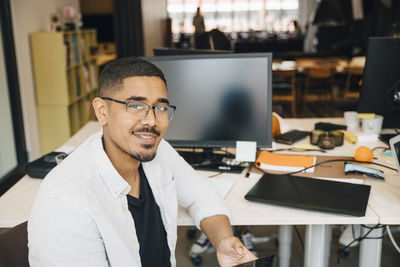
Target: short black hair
116 71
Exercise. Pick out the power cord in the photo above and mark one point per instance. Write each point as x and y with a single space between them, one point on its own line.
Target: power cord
299 236
328 161
294 149
342 251
243 164
215 175
227 153
381 147
344 160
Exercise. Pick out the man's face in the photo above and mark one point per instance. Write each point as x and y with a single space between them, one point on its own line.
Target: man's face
136 137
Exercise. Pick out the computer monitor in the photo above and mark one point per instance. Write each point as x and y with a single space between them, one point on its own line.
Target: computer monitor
220 99
380 91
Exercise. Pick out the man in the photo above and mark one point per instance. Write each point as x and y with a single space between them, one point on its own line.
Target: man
198 22
199 30
113 201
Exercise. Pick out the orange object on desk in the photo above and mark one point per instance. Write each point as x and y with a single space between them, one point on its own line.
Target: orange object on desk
364 153
272 159
276 128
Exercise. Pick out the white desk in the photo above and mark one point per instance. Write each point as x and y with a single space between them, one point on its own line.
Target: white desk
384 198
16 203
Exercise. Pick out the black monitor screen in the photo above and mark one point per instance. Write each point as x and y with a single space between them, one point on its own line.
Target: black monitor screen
220 99
380 92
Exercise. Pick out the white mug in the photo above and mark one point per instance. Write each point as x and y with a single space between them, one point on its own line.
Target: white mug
372 125
351 120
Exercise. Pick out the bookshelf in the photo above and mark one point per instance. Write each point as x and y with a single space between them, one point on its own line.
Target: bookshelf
66 80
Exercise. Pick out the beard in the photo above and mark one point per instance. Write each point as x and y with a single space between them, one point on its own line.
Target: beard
143 157
146 155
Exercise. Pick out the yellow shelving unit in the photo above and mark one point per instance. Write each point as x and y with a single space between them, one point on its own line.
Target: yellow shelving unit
66 80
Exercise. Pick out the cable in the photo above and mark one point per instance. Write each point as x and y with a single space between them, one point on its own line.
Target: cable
342 251
243 164
299 236
298 150
215 175
392 239
372 227
381 147
331 160
226 152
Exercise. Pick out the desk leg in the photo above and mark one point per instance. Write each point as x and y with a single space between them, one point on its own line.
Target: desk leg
285 244
328 239
371 249
316 239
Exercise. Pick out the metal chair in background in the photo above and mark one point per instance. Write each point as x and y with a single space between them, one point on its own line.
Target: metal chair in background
319 84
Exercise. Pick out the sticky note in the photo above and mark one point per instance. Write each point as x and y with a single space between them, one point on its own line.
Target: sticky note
246 151
366 115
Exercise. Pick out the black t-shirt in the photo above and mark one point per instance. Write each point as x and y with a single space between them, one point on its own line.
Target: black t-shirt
150 229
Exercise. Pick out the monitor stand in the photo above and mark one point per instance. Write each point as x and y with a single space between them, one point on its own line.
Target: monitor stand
207 160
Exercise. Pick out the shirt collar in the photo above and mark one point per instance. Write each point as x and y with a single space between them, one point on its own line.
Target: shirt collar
108 173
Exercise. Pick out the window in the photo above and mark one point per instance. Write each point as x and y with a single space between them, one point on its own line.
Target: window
12 140
234 15
8 156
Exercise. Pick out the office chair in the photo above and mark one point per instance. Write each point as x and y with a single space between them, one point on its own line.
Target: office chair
14 247
319 84
319 88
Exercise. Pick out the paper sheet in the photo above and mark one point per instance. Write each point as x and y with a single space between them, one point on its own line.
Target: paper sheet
223 186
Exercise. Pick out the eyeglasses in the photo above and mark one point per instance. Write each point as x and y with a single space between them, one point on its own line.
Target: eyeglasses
162 112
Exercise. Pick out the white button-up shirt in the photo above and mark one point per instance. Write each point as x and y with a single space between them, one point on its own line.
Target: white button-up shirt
81 218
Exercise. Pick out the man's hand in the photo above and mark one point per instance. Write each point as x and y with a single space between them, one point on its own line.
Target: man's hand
231 252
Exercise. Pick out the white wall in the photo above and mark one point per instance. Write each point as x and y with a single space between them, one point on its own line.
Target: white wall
153 14
31 16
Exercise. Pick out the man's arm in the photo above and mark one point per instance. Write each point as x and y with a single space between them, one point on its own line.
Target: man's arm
62 236
206 207
230 251
216 228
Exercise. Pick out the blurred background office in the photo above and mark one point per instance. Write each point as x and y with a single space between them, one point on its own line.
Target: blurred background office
331 34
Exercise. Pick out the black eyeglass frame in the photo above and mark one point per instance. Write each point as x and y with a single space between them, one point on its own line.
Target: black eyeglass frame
126 103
